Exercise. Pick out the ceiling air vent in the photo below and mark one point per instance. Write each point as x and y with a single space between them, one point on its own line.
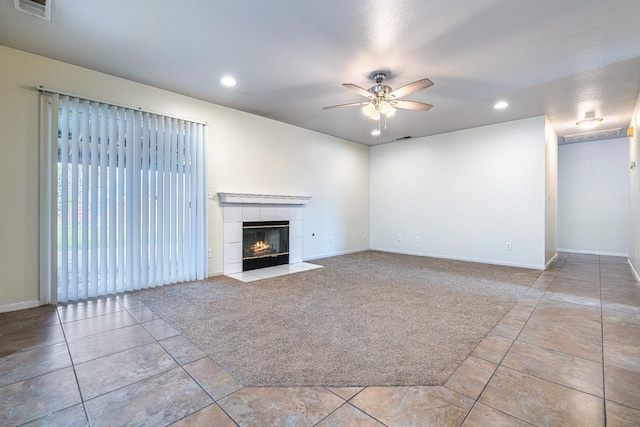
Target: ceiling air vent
403 138
39 8
594 135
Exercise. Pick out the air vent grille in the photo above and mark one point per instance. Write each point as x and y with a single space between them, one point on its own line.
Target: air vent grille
594 135
39 8
403 138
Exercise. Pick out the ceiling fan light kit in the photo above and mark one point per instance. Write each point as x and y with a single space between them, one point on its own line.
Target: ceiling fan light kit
383 100
370 111
384 107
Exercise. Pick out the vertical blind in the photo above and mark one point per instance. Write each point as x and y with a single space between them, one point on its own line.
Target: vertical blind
131 198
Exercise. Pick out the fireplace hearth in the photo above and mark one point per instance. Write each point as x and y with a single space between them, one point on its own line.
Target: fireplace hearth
264 244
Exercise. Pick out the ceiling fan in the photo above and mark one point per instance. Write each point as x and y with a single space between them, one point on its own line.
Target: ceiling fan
383 100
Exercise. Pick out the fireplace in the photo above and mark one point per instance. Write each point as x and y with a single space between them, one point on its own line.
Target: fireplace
264 244
238 208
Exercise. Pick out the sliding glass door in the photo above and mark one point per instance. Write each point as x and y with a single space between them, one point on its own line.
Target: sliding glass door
130 198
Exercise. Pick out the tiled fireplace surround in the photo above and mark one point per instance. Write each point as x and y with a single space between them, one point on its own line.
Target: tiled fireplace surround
238 208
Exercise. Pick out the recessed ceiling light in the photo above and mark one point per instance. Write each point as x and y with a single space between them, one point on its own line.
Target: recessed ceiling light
375 132
500 105
228 81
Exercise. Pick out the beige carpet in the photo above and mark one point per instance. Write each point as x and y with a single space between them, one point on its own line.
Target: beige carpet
369 318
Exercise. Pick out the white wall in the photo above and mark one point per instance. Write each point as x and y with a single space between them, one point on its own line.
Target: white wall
634 193
593 206
247 154
551 192
465 194
252 159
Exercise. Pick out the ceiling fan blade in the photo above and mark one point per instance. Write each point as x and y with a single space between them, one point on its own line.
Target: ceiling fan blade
353 104
412 105
358 90
410 88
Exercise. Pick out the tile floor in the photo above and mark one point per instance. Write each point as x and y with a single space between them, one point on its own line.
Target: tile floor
567 354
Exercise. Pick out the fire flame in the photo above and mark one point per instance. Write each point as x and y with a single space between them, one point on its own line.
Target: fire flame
260 247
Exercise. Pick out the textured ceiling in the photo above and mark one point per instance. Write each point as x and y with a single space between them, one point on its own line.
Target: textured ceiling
559 58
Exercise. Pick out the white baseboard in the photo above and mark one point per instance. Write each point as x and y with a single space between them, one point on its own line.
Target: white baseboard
635 273
19 305
555 257
588 252
353 251
214 273
482 261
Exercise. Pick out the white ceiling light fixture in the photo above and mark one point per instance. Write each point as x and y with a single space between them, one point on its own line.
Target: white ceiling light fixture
228 81
375 132
501 105
384 107
590 120
369 110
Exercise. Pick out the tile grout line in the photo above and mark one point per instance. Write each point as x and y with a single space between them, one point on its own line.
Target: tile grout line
215 402
360 409
604 391
562 302
153 376
345 403
135 382
509 349
73 366
569 354
52 371
174 359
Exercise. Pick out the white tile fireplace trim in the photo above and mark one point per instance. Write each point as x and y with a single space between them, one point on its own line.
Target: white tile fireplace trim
263 199
239 208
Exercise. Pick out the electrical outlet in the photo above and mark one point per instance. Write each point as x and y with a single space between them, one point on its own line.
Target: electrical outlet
417 239
399 237
330 240
209 253
364 236
508 246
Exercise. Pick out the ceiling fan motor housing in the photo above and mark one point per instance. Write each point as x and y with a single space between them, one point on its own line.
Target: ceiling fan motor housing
379 90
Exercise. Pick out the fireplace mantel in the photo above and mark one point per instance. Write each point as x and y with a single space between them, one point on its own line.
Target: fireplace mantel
263 199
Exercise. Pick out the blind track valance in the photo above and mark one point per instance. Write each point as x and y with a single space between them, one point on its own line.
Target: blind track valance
47 91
